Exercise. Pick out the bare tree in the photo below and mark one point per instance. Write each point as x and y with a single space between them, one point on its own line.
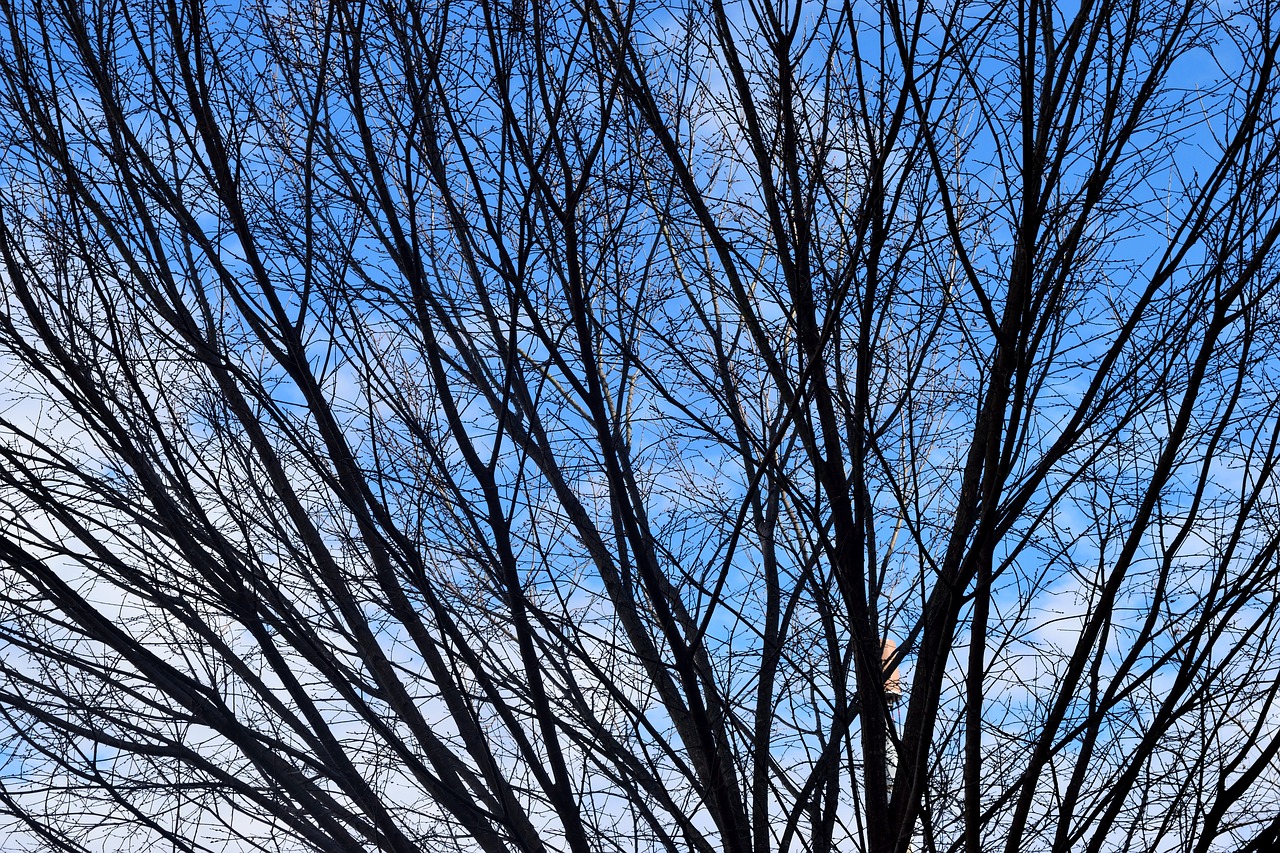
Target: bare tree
501 425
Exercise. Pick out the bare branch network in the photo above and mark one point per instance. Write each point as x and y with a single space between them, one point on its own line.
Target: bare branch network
639 425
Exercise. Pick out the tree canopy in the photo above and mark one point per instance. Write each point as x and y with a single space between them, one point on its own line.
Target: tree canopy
545 425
